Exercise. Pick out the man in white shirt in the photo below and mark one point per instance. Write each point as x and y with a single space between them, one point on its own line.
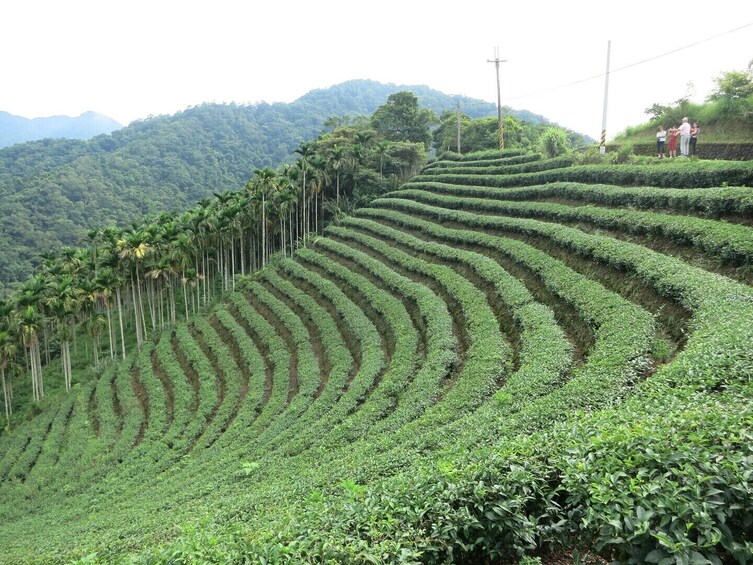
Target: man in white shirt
684 137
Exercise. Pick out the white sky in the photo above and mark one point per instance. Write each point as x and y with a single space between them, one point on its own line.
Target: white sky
130 59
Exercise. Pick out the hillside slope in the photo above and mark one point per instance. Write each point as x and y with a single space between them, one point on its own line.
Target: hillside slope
486 363
51 191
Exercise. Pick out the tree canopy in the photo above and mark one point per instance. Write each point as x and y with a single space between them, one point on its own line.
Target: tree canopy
733 85
481 134
401 119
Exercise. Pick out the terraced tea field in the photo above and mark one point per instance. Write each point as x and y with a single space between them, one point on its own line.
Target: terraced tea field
506 356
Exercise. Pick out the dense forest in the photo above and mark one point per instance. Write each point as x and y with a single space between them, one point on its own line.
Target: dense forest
52 191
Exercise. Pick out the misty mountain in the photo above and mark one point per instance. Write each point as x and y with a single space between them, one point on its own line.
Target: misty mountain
16 129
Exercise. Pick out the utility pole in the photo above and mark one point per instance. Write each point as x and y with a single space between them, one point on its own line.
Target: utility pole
458 120
496 62
603 144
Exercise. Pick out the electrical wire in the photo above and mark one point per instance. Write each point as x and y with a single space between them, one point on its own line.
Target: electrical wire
636 63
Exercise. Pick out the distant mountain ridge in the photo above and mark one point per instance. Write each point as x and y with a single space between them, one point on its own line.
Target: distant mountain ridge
17 129
53 190
361 96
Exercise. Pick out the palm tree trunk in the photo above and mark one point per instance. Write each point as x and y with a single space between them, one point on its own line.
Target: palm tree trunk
140 306
252 250
243 258
46 345
220 266
171 297
36 371
151 300
185 295
96 349
136 312
120 320
6 396
160 292
203 283
39 371
198 278
232 256
263 232
34 375
207 277
65 362
33 369
290 230
110 329
70 370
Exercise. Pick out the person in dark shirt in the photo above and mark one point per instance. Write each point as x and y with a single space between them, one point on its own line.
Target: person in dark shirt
694 131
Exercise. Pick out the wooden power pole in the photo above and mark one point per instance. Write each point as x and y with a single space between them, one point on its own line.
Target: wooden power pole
458 123
603 144
496 62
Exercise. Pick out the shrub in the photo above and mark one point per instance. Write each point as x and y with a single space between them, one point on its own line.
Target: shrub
590 156
554 142
624 154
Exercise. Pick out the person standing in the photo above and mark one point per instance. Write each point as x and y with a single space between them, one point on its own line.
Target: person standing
673 133
694 131
661 138
684 137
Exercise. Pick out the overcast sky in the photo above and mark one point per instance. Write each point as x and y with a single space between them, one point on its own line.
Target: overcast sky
131 59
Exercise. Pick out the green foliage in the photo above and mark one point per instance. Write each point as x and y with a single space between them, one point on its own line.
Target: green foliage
670 500
477 367
725 117
657 112
733 85
401 119
481 134
730 243
623 155
684 174
554 142
52 191
589 156
248 468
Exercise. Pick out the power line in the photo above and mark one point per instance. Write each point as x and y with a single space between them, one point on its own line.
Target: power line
636 63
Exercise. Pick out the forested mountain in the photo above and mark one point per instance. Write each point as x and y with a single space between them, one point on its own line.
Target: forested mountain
51 191
16 129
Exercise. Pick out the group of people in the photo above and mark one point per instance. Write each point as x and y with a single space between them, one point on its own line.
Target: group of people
687 135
